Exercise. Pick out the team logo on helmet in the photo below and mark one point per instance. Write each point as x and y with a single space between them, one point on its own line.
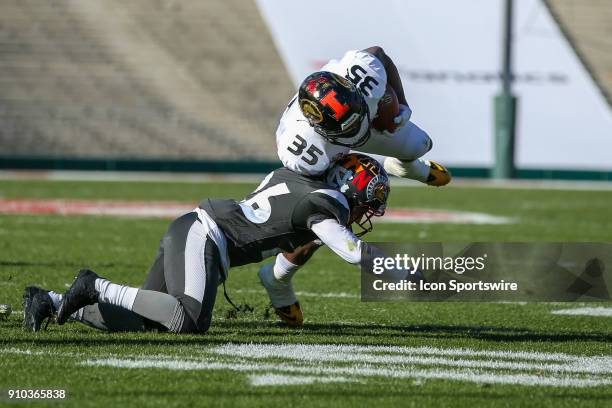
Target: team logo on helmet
311 111
378 190
336 109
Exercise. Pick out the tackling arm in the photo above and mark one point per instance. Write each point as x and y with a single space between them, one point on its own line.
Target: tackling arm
350 248
301 255
343 242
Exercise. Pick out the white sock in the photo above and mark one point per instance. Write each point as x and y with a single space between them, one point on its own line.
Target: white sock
56 298
118 295
283 269
417 169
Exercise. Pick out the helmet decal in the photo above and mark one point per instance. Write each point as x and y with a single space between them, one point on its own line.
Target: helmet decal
316 82
338 107
311 111
345 82
380 192
349 122
362 179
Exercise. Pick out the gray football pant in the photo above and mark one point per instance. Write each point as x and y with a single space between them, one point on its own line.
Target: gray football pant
162 304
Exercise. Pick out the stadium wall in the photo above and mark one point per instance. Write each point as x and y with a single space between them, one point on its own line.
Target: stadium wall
229 166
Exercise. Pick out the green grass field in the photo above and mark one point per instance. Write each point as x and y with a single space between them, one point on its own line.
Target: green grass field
438 354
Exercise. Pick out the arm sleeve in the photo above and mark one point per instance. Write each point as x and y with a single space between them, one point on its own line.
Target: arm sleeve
340 239
344 243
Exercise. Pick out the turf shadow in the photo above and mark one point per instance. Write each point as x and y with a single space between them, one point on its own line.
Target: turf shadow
268 332
69 264
491 333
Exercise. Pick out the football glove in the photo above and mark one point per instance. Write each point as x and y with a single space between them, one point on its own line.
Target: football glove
400 120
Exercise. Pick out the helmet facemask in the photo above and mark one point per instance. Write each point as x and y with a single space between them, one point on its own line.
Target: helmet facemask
372 208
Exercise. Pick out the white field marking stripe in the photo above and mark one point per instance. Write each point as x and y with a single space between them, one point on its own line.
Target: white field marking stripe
594 365
585 311
306 294
358 370
278 379
266 349
170 362
26 352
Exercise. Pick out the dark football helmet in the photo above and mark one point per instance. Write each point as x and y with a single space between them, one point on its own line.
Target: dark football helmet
335 108
365 184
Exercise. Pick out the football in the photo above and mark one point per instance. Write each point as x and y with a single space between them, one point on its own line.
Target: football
388 109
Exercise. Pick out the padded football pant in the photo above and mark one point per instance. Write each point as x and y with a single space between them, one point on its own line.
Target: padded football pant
409 143
181 287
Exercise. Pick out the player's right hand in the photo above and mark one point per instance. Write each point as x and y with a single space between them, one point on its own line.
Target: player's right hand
404 116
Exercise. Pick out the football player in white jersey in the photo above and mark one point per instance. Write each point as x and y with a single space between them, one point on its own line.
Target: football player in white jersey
332 114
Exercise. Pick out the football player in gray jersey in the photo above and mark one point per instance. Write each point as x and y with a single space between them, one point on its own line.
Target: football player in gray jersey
286 212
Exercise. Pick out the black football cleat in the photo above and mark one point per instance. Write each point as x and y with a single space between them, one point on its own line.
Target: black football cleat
37 307
81 293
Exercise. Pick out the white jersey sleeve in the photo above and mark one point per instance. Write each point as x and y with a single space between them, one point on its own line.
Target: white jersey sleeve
364 70
300 148
352 249
339 239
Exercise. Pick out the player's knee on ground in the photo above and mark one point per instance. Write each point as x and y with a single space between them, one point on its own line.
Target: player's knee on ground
172 313
183 323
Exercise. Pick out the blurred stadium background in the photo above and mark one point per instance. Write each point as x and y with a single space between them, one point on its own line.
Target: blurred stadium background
172 84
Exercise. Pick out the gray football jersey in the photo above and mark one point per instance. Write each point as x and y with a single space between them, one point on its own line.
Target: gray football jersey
277 215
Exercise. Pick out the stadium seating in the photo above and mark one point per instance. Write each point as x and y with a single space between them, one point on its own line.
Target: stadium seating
588 23
141 78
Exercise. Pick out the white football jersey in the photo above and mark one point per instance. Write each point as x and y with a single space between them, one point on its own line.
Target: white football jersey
303 150
300 148
367 73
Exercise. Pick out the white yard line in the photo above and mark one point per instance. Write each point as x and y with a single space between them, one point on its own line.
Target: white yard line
283 379
360 371
585 311
302 362
367 355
